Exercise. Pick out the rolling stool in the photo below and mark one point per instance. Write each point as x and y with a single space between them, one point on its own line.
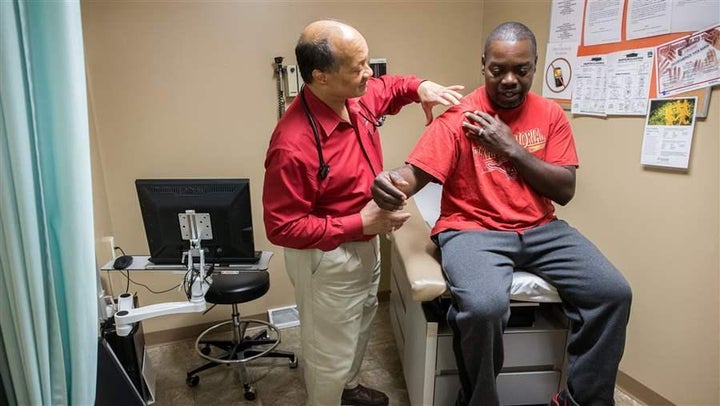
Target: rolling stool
233 289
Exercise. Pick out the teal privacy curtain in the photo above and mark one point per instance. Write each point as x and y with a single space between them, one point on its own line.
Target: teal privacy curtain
48 315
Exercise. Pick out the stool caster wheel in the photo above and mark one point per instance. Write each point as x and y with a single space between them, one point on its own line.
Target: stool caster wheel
294 362
192 380
205 350
249 392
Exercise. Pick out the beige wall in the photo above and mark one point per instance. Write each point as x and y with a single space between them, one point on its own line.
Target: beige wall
187 89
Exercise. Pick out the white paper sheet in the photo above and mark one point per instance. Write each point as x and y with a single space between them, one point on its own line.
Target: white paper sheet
646 18
628 81
566 20
694 15
590 85
603 20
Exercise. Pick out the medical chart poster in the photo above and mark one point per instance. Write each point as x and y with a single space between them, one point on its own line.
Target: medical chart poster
628 82
688 63
668 134
589 90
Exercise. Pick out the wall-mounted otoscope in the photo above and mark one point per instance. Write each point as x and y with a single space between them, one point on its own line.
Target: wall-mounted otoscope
280 71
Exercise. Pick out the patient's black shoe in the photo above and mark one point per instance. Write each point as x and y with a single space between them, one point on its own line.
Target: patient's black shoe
362 396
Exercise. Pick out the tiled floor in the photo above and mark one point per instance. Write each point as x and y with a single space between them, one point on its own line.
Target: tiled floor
277 384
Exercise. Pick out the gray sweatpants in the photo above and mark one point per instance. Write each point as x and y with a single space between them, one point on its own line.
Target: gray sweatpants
478 266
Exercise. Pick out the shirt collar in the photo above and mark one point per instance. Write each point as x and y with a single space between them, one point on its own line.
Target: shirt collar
323 115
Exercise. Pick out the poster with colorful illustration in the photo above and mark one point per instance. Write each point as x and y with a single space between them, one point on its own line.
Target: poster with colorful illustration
668 132
689 63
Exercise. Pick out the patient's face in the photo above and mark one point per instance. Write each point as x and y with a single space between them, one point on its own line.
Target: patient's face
509 67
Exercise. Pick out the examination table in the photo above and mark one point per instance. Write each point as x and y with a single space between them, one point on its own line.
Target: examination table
535 339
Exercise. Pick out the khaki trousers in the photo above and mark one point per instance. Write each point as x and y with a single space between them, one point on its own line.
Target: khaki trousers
336 295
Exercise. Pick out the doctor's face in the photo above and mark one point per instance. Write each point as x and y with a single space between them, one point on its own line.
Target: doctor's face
508 67
350 80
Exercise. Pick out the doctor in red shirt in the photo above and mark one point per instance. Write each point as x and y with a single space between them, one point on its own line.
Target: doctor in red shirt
323 157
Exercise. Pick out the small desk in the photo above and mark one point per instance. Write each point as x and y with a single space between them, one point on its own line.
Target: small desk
162 277
142 263
129 350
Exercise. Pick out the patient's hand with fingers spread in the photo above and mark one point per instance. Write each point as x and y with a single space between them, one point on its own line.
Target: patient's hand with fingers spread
379 221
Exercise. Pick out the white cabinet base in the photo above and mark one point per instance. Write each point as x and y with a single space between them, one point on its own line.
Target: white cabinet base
534 355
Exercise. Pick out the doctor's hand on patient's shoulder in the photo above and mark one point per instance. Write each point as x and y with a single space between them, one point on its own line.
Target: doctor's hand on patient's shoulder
432 94
378 221
386 190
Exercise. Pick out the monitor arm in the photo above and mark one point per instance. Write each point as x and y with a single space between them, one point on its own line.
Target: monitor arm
196 278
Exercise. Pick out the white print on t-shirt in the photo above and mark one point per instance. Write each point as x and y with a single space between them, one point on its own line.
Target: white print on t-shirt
532 140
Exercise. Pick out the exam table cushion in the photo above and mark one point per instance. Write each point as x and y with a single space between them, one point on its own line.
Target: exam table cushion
419 255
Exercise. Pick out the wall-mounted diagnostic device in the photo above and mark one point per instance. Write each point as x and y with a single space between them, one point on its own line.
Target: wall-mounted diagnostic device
378 66
289 80
294 80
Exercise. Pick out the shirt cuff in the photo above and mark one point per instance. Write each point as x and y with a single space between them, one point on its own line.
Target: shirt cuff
413 85
353 226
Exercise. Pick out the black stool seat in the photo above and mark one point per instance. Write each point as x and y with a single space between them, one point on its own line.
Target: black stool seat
237 288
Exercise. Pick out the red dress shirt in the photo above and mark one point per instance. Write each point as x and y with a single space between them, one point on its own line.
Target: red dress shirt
301 210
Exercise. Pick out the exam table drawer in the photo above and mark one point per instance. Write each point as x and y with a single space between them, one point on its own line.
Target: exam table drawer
537 388
524 347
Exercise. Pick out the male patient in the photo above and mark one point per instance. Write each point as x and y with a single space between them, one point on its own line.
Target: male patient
503 156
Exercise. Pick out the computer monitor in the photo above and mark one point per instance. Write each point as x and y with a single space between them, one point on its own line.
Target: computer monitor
227 201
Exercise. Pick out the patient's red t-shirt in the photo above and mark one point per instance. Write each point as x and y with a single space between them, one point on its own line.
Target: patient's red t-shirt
482 190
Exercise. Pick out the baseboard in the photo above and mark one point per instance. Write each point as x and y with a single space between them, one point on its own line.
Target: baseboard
640 392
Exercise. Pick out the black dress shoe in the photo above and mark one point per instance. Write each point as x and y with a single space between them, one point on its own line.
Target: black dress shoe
362 396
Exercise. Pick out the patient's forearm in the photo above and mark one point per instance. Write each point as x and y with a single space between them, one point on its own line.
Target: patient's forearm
391 189
415 179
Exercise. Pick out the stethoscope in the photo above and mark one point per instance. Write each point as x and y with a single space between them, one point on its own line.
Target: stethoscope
324 169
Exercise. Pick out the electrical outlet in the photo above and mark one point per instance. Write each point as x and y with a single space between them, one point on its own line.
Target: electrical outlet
109 244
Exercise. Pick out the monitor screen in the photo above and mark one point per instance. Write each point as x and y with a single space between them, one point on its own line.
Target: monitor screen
227 201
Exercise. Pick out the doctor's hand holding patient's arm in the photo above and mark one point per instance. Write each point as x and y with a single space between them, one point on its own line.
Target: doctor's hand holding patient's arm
378 221
391 189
